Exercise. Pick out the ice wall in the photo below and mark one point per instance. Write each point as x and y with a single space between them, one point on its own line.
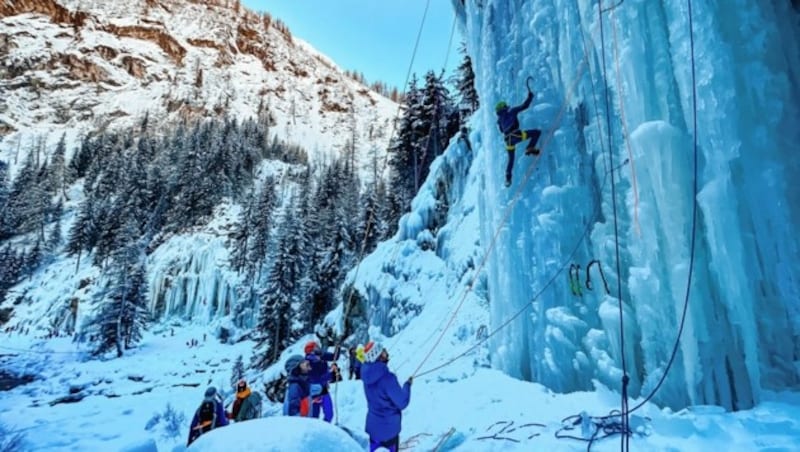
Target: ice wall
742 331
187 278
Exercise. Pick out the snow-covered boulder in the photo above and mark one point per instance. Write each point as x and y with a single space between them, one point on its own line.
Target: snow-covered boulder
280 433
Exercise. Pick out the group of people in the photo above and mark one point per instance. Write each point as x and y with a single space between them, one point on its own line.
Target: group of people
211 413
308 379
308 394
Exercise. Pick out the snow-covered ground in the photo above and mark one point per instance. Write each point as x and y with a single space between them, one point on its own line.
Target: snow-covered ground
486 409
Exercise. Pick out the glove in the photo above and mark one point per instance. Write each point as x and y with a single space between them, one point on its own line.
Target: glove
410 380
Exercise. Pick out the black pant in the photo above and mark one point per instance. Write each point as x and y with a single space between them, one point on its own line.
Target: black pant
515 137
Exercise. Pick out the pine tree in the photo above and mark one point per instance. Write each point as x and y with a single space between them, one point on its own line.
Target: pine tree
83 232
403 157
279 300
465 85
23 212
54 239
33 259
371 227
79 164
56 182
241 238
261 224
11 270
123 314
5 227
237 372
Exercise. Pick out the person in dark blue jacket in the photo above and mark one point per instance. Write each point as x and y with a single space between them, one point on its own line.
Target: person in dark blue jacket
320 374
210 415
295 402
385 399
508 123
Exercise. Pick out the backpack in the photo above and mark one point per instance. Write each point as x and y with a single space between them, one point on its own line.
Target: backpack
256 405
207 412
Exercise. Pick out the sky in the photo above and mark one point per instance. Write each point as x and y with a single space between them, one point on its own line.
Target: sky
373 37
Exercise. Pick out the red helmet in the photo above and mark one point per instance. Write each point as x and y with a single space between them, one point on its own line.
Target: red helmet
310 347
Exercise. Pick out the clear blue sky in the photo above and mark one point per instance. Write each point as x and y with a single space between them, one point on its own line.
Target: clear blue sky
374 37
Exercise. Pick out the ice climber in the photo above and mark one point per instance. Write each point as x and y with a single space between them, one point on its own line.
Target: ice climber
385 399
508 123
210 415
320 374
296 401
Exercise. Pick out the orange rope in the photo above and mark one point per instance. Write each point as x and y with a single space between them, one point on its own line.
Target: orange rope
627 135
509 208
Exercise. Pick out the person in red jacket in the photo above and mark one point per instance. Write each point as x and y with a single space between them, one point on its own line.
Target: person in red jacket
320 374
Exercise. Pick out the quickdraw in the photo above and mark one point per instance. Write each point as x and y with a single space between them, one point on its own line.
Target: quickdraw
602 276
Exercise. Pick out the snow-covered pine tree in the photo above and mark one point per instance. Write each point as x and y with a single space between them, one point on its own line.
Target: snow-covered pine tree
371 226
261 225
23 210
33 258
240 237
465 85
402 158
123 313
237 373
79 164
438 122
280 300
83 232
4 226
56 184
54 238
11 270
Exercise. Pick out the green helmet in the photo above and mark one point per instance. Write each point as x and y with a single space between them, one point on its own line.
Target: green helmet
500 105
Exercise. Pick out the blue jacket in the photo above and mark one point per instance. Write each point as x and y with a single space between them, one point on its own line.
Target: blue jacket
385 400
297 390
507 117
320 373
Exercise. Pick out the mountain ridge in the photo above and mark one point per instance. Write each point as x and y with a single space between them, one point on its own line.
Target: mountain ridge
75 67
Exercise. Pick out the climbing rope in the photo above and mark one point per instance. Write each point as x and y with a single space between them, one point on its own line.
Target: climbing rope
625 379
694 218
507 213
519 312
627 135
623 427
371 218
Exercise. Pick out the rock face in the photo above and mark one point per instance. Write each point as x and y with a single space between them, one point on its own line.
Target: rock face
77 65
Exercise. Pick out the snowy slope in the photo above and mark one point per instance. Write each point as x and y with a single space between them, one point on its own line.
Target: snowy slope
72 66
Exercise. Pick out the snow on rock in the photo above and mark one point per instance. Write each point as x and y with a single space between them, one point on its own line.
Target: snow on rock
77 66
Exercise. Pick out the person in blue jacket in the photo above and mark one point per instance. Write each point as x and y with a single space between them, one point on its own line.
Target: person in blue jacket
508 123
320 374
210 415
385 398
296 402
